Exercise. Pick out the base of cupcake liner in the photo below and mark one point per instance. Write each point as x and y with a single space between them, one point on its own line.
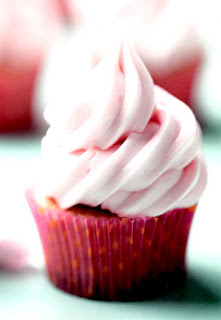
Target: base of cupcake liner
16 94
147 290
113 258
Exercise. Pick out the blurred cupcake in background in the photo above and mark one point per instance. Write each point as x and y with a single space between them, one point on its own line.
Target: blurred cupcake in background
163 33
27 29
208 88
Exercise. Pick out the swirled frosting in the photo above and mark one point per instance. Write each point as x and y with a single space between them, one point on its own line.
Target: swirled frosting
123 144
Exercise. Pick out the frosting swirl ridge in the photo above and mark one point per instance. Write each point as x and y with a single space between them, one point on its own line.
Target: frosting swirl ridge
128 146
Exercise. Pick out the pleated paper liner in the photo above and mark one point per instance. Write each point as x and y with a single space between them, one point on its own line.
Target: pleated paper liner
110 258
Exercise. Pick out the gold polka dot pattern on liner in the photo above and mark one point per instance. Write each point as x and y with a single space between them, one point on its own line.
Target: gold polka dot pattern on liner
74 263
123 221
148 242
53 224
130 240
90 271
110 227
121 266
98 233
89 291
59 268
115 245
105 269
102 250
75 243
41 210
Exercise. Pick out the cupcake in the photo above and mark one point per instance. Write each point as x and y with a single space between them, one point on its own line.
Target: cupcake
163 33
119 181
27 28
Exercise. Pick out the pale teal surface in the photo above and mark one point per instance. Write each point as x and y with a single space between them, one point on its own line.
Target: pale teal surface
29 295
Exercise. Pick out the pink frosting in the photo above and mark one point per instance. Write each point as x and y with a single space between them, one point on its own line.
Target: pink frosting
126 144
26 29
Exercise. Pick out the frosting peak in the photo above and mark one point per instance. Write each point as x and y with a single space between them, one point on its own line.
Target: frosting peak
124 144
119 100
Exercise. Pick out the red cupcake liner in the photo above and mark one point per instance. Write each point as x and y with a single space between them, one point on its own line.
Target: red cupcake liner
113 258
16 94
